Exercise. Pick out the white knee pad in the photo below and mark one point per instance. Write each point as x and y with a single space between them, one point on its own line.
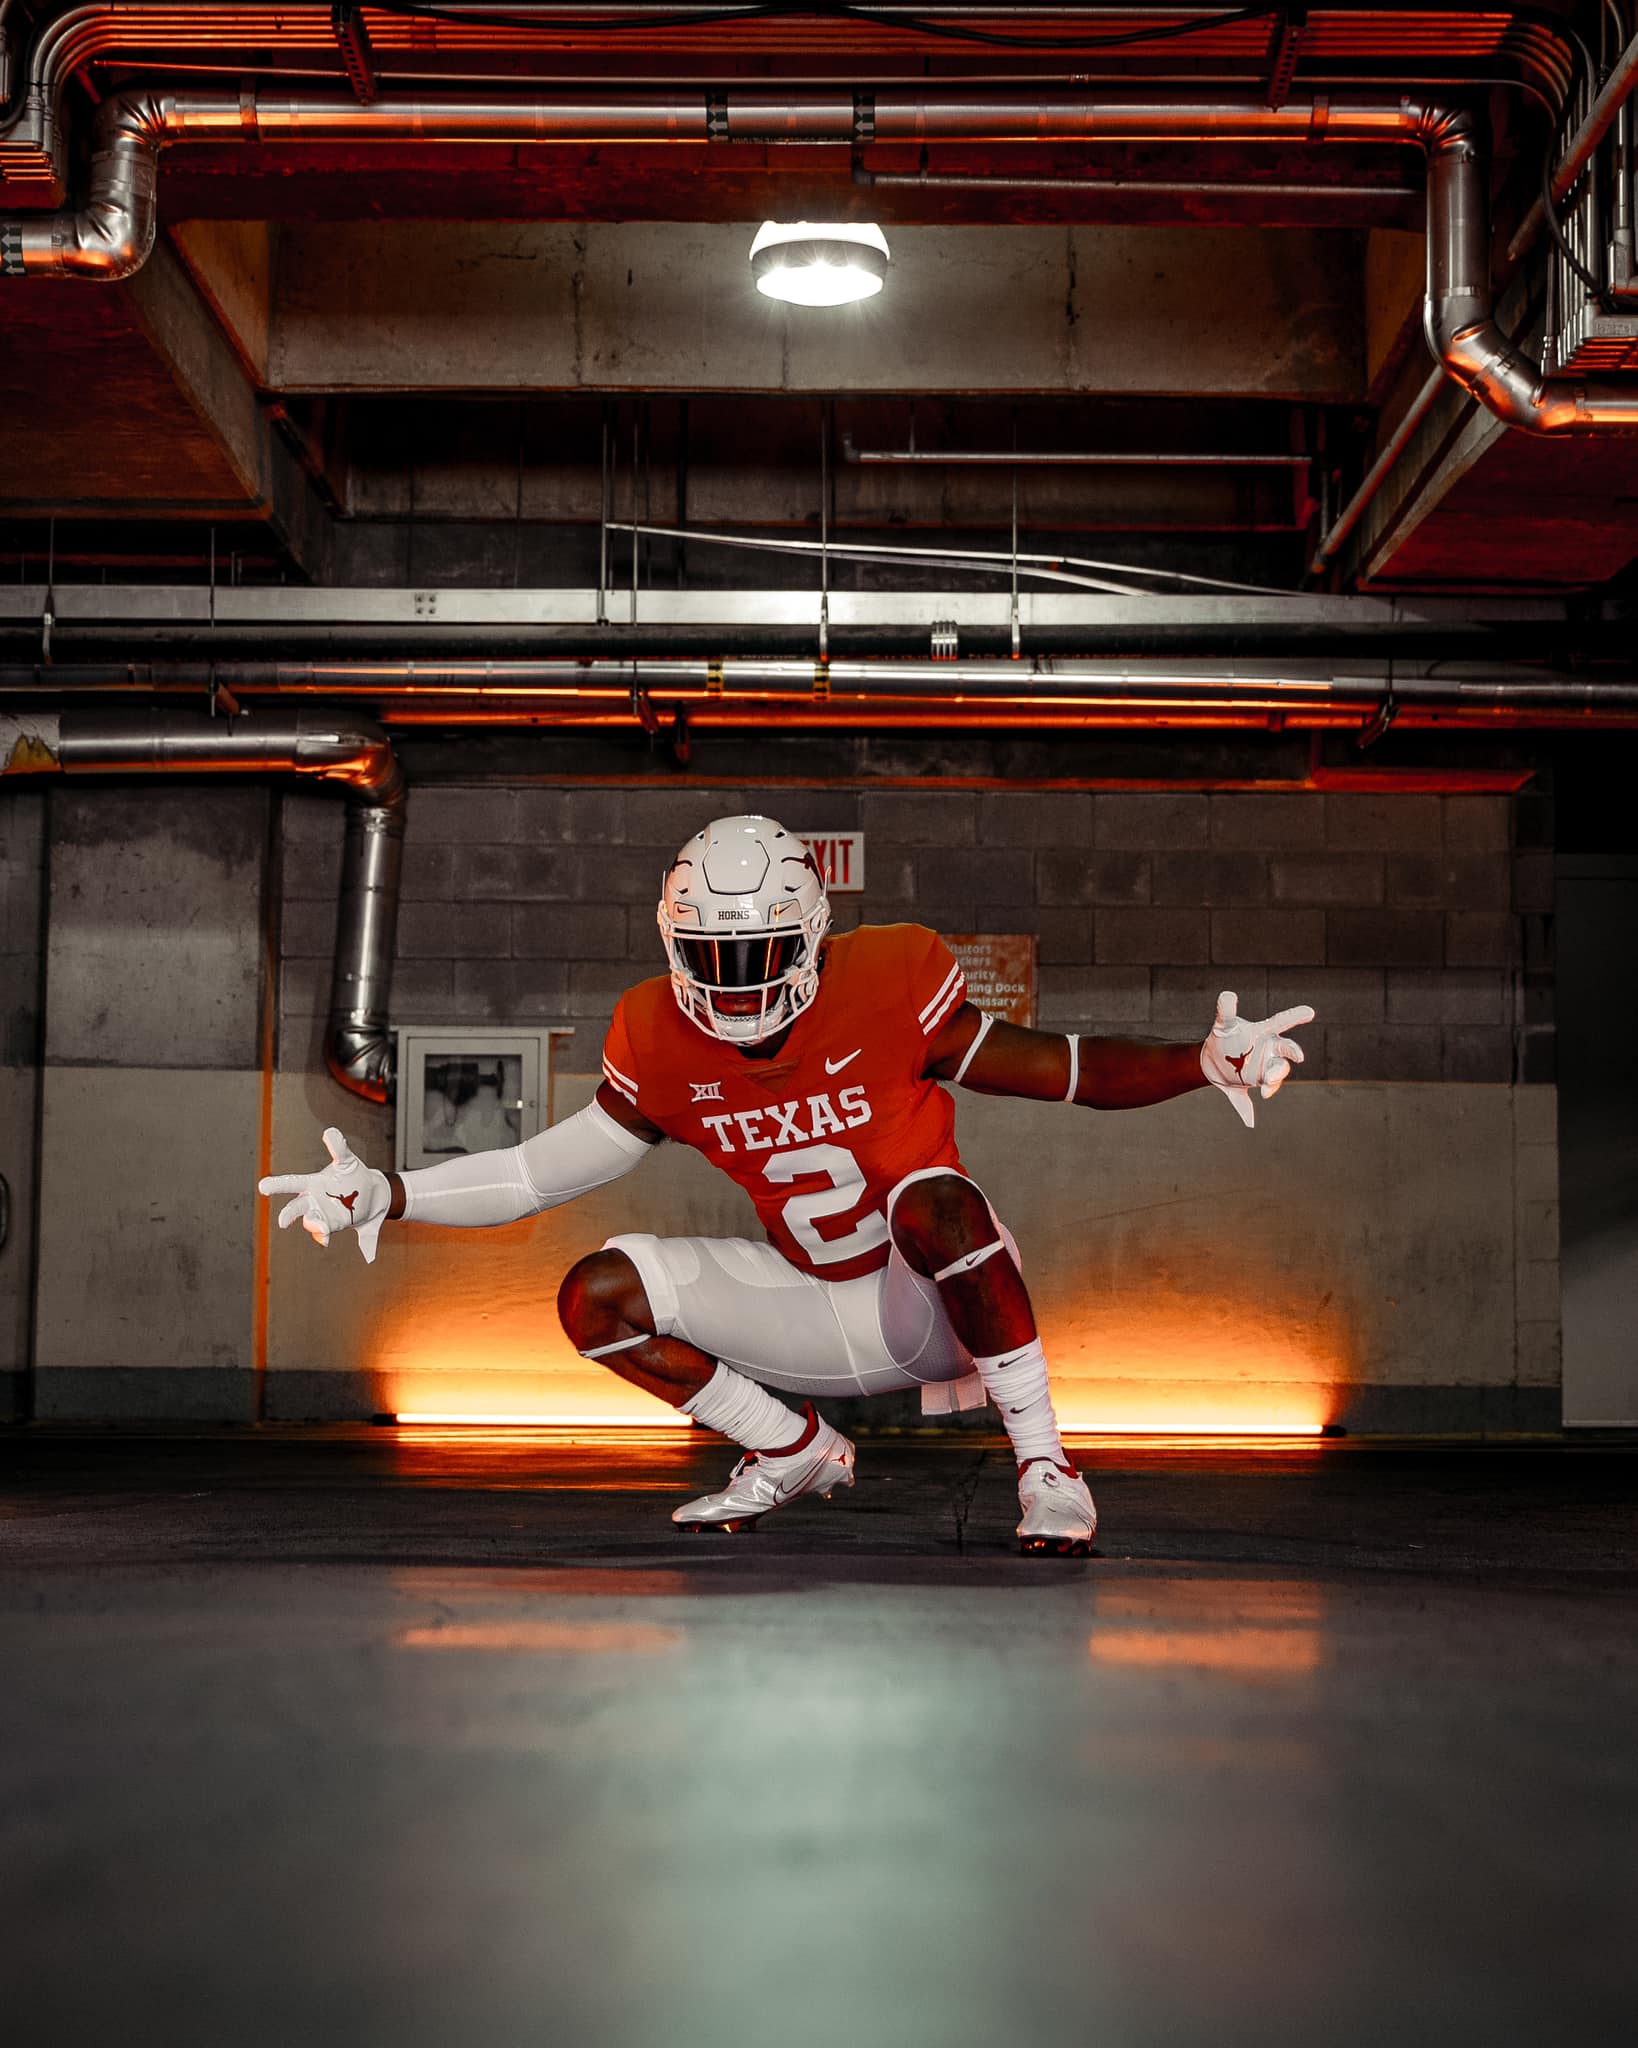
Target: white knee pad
965 1264
651 1256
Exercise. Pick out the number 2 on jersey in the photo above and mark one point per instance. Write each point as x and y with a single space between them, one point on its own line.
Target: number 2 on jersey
847 1184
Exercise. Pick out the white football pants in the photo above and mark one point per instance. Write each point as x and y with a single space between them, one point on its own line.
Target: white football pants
744 1303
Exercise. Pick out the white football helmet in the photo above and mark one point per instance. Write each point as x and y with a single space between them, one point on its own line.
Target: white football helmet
742 911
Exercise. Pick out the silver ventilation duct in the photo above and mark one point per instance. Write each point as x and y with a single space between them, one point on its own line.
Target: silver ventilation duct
113 233
336 748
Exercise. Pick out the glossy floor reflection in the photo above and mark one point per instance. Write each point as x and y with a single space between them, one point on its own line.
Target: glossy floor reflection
348 1739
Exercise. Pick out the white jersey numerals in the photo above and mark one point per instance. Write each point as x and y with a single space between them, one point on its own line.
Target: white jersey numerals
847 1184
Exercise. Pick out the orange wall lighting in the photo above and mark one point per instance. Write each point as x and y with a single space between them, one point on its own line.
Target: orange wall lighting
481 1419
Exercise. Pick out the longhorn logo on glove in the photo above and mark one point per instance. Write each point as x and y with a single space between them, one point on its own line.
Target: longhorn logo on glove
1242 1058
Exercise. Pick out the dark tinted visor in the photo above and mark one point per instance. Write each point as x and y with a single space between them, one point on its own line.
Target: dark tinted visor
739 963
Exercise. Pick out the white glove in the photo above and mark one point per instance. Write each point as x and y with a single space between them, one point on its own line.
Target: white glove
1240 1056
346 1195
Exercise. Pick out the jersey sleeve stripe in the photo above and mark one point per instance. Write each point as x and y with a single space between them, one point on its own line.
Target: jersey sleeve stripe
620 1083
931 1024
950 981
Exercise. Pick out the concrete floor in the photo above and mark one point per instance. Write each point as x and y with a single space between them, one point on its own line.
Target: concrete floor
337 1739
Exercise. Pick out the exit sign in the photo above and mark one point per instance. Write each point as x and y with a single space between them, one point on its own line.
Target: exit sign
841 859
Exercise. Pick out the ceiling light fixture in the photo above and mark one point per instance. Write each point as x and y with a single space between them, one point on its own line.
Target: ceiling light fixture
819 263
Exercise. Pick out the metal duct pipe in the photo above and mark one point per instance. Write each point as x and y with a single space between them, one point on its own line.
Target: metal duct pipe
1460 314
755 692
1060 458
340 748
112 235
1095 188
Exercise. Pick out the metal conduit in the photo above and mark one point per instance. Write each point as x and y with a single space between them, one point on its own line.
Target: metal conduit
1614 94
334 748
753 691
1059 458
113 233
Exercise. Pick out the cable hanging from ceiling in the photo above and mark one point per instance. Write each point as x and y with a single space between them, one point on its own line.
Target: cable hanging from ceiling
1081 570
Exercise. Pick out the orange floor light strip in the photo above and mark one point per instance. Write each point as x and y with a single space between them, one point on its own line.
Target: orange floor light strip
449 1418
1181 1426
1179 1430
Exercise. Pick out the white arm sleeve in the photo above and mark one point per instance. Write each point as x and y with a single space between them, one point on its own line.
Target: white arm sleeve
585 1151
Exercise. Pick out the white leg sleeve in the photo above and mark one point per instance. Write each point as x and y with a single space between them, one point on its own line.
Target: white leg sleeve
583 1152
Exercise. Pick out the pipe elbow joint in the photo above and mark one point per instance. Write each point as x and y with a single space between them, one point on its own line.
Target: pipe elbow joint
111 244
354 751
360 1058
1448 131
1507 383
113 235
138 118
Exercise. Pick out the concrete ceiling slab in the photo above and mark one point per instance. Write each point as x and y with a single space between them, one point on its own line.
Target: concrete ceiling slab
377 307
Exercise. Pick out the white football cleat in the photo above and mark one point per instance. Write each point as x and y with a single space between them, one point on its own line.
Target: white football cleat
763 1480
1059 1518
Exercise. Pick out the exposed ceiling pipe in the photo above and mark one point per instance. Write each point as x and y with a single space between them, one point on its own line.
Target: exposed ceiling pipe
248 35
112 234
1060 458
749 693
1616 90
1377 475
343 749
983 561
1095 188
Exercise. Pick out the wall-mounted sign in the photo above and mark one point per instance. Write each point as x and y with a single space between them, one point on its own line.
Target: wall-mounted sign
1000 973
841 859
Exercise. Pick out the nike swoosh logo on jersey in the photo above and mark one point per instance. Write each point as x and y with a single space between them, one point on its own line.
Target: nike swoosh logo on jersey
836 1066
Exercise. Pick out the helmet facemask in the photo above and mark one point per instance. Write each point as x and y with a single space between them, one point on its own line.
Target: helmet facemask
742 914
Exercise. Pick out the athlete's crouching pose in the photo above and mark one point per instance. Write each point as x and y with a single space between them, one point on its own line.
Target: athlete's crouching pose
808 1068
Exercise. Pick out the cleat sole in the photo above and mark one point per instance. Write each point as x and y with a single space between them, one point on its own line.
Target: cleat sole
742 1527
1055 1546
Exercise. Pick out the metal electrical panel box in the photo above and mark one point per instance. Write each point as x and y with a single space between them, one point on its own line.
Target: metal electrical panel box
463 1090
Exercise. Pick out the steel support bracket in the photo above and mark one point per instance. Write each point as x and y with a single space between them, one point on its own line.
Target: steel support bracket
357 52
1380 719
1286 38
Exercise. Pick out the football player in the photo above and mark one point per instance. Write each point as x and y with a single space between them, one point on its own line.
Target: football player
810 1067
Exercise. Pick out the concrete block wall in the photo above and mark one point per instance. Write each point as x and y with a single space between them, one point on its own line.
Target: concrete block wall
1418 925
1400 918
151 1094
1397 1300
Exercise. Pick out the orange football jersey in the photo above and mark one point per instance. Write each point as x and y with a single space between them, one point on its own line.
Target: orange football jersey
819 1134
